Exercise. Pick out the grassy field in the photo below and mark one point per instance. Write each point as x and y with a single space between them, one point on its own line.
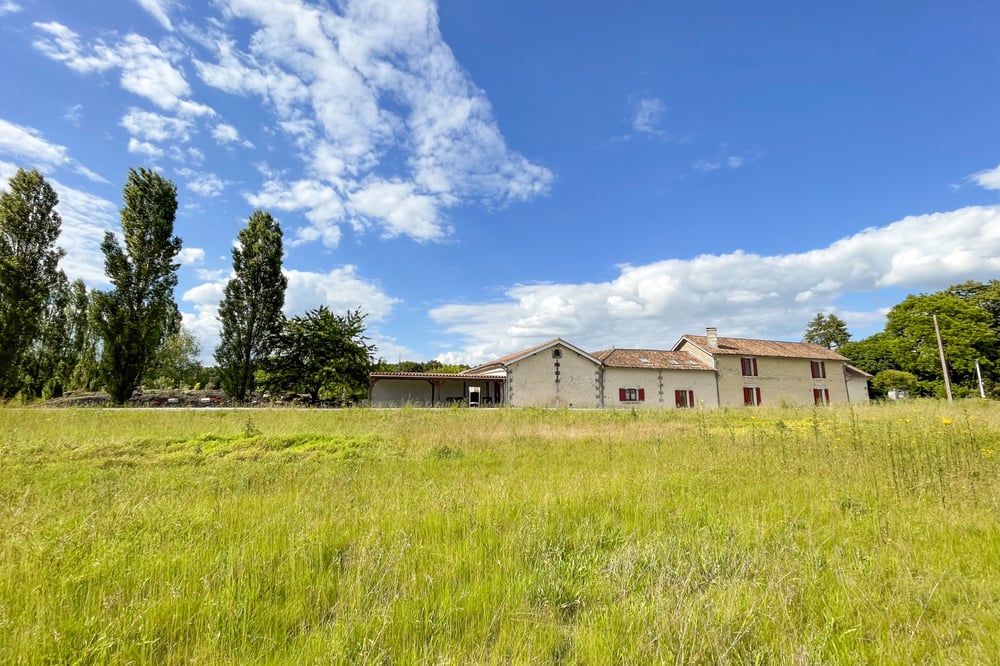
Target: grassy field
829 536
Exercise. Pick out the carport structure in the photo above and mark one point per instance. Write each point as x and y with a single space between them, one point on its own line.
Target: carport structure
433 389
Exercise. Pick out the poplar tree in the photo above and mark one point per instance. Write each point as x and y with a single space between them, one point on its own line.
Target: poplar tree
139 312
29 258
250 312
828 330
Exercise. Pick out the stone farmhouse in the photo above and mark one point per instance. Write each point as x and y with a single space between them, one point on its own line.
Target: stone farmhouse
699 371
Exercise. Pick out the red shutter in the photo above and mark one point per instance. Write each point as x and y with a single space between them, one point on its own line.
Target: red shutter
757 389
691 399
817 396
826 396
755 368
642 394
747 395
679 398
621 394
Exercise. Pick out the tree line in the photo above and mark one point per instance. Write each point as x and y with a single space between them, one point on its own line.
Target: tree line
59 335
905 354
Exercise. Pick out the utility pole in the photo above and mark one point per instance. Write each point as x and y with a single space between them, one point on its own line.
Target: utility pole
944 363
979 376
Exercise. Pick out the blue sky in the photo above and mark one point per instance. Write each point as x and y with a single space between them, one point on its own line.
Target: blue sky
482 175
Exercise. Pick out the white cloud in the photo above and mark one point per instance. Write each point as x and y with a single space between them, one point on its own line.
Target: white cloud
28 144
990 179
323 204
160 10
146 69
85 218
742 294
224 133
9 7
189 256
647 116
73 114
144 148
340 290
401 209
355 89
203 183
155 127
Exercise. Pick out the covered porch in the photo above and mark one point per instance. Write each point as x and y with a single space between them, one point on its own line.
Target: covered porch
431 389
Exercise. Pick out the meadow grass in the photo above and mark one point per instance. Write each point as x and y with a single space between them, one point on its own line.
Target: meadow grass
843 535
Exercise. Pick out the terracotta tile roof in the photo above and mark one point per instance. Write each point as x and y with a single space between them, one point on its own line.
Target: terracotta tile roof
427 375
659 359
504 360
855 370
748 347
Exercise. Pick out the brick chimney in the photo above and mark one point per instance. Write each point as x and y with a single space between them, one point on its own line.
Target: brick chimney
713 337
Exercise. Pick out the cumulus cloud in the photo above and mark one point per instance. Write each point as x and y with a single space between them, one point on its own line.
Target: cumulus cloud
224 133
203 183
742 294
340 289
155 127
189 256
146 69
144 148
990 179
378 104
29 145
85 218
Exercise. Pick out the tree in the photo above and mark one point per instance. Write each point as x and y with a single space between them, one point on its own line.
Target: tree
965 332
321 353
139 313
888 380
55 352
251 309
175 363
872 354
828 330
29 227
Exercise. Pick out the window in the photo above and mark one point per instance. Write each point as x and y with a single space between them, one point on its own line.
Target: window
631 394
818 369
684 399
749 367
821 396
751 396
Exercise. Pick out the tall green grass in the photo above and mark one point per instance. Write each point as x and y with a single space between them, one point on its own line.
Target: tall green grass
500 536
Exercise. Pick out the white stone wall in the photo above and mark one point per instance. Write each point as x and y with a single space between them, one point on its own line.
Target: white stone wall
543 381
782 381
659 387
857 388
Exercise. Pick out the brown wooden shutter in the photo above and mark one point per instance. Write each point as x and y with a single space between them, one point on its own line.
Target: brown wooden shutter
621 394
642 394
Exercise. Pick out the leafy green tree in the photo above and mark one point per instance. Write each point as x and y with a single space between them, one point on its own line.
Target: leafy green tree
29 258
985 295
86 373
872 354
321 353
139 313
827 330
250 312
176 364
55 352
966 334
888 380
